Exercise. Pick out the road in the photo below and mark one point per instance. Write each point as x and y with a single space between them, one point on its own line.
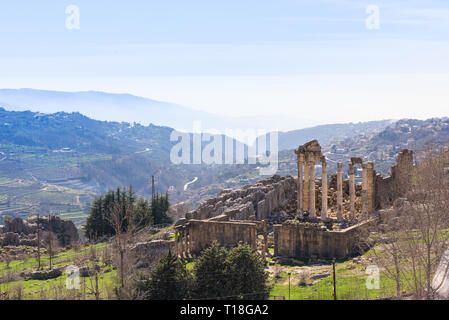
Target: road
189 183
146 150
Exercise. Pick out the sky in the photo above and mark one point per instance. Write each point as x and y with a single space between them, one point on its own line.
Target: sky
318 61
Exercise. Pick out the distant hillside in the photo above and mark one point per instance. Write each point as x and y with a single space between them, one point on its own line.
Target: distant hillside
77 157
326 134
130 108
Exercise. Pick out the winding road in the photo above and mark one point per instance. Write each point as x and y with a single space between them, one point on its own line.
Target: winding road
189 183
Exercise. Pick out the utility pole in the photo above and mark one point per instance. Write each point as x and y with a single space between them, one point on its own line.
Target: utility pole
289 285
152 187
335 285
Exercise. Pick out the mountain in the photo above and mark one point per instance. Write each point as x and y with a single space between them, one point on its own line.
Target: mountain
130 108
65 159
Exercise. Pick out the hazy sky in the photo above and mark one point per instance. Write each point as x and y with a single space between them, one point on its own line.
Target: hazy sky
316 60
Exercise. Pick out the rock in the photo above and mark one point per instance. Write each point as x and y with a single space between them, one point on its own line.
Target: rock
440 281
148 254
181 222
17 225
28 242
10 239
320 276
87 272
298 262
65 230
46 274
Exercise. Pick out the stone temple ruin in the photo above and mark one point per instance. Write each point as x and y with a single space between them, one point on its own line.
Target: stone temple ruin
300 217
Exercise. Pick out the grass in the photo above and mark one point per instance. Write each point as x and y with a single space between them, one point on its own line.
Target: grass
56 288
17 266
349 286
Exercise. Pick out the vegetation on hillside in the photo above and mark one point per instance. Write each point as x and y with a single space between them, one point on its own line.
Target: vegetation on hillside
142 213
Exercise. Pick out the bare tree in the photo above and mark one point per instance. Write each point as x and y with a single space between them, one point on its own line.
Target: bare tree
428 216
415 232
121 221
389 254
51 242
94 269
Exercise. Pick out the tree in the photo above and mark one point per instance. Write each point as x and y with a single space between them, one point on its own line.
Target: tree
169 281
415 231
210 278
120 220
246 274
98 222
51 242
142 214
159 208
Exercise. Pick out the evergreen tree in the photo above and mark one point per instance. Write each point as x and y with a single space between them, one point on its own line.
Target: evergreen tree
210 274
169 281
159 208
246 274
142 213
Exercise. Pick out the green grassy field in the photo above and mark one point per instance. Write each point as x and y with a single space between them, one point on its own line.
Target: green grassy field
350 285
55 288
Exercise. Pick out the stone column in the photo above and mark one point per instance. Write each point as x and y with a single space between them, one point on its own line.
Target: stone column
324 190
364 191
305 206
339 191
300 183
176 241
265 239
352 190
187 237
312 210
370 187
181 236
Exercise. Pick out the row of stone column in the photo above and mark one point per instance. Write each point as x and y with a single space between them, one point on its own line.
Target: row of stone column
306 188
182 241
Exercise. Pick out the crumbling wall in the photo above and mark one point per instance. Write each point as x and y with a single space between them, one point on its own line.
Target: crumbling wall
396 185
227 233
305 241
256 201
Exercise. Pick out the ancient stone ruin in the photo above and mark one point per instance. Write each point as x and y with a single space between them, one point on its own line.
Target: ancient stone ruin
23 232
304 216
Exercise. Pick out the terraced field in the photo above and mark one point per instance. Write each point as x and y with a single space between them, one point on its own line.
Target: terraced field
20 198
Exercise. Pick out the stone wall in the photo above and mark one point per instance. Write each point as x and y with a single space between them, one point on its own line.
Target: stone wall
148 254
396 185
197 235
256 201
305 241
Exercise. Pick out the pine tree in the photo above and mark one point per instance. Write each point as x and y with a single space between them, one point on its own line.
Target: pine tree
169 281
246 274
210 274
